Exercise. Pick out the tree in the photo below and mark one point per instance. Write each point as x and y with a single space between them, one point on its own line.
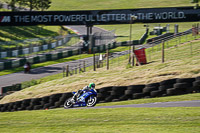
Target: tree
31 4
16 5
11 4
44 4
38 4
1 5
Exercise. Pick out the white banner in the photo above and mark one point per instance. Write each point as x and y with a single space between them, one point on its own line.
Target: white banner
36 49
53 45
45 47
15 52
26 51
60 43
3 54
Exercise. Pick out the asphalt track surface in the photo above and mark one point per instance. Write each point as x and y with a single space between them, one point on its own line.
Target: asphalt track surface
194 103
40 72
82 29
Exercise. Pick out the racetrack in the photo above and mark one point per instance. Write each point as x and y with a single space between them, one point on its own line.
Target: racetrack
194 103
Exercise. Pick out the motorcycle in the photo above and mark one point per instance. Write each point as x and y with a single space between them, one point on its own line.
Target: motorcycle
88 99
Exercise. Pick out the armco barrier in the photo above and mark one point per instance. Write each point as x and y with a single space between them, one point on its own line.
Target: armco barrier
48 57
8 64
21 62
37 59
111 94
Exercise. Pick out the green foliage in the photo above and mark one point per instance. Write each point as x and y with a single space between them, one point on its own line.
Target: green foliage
32 4
27 84
43 4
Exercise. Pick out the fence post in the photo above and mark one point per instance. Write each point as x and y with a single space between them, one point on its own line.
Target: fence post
63 71
79 68
67 70
163 52
94 60
107 59
75 69
191 47
132 55
84 66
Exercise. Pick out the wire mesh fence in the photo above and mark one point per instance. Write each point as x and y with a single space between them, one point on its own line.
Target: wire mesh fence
157 50
104 38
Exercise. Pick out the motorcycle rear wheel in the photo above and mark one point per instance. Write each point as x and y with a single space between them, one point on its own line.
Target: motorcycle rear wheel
68 103
91 101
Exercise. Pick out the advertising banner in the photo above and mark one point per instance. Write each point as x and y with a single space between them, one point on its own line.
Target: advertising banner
100 17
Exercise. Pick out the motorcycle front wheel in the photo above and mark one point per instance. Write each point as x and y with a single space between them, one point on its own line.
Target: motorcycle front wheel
91 102
68 103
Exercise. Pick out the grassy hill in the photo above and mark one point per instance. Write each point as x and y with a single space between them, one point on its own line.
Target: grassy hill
178 64
115 4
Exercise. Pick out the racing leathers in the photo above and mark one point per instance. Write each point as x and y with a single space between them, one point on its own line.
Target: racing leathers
79 93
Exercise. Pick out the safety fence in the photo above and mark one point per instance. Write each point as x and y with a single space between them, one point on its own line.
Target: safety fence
136 42
173 41
168 87
71 70
146 53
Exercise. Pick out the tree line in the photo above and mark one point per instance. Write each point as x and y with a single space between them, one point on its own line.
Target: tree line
17 5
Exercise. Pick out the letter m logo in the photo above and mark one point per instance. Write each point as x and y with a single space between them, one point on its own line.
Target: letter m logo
5 19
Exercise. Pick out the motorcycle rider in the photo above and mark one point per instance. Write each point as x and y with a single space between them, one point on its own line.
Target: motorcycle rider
81 91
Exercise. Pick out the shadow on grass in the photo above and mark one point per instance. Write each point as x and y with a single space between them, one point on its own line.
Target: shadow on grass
23 32
45 70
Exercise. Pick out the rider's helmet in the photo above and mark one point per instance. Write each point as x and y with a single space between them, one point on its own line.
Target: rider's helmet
91 85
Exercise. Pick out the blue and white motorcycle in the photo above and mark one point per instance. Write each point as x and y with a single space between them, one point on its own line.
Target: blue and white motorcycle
88 99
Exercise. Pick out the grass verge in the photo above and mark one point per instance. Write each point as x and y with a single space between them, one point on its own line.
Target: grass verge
118 120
